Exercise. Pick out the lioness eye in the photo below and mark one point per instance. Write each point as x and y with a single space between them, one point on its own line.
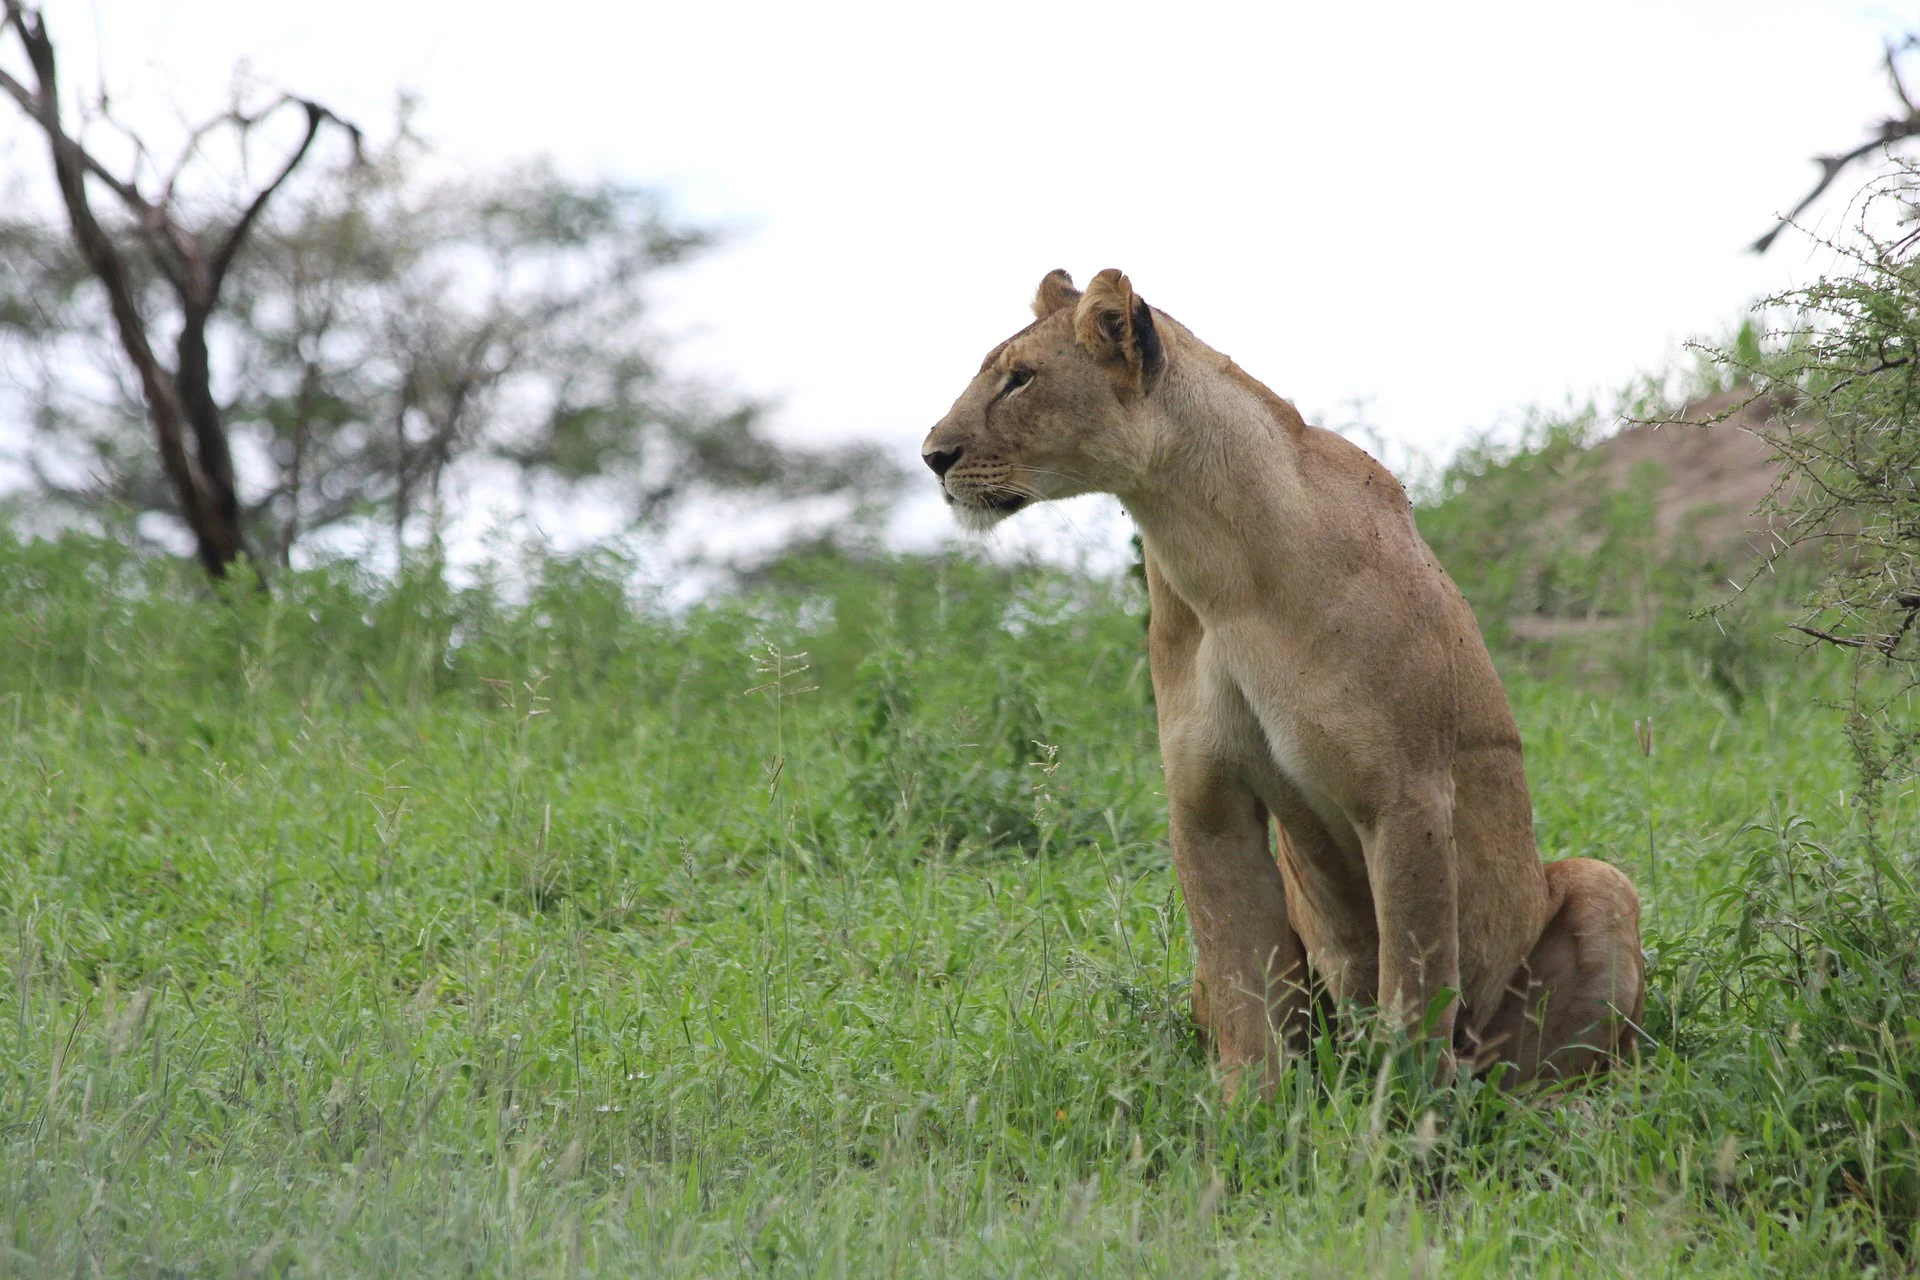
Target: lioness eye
1019 378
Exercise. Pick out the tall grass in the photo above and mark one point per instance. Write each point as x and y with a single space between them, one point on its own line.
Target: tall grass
396 928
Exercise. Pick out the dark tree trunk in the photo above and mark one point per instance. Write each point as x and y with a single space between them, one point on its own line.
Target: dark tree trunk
181 401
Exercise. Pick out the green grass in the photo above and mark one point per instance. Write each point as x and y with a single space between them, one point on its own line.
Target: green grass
394 931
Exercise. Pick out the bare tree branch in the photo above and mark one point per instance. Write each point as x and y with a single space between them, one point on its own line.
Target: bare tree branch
1893 129
30 104
1893 52
1845 642
317 115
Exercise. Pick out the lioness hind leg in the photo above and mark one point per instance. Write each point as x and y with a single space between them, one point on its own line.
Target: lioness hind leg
1569 1008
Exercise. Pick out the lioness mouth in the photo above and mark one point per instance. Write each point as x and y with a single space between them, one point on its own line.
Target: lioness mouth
1004 502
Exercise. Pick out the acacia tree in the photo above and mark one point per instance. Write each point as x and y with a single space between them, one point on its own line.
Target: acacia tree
1847 367
193 261
1842 374
399 326
384 328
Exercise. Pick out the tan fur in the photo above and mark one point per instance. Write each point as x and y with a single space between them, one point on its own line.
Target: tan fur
1104 320
1100 317
1313 663
1056 291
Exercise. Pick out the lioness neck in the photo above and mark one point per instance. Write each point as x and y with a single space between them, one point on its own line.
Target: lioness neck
1226 500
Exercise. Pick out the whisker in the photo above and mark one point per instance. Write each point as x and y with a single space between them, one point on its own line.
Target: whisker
1064 475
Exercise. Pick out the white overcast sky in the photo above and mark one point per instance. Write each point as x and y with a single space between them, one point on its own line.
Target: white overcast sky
1444 212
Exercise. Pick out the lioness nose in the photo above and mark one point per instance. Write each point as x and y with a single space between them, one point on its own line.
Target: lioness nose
941 460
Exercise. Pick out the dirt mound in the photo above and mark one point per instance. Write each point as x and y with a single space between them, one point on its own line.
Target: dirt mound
1580 563
1712 477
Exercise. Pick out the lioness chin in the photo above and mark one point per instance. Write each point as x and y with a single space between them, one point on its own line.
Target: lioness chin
1311 661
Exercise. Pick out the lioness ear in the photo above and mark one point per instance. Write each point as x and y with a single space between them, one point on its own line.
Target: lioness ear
1056 292
1115 324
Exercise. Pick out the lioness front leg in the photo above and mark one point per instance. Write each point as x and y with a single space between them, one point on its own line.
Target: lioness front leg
1414 875
1582 988
1250 982
1251 974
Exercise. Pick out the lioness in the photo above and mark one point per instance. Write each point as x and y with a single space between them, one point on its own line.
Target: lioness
1312 661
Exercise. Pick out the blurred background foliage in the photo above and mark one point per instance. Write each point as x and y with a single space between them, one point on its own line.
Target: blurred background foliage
383 324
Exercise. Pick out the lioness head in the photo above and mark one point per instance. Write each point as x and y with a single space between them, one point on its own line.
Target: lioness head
1058 408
